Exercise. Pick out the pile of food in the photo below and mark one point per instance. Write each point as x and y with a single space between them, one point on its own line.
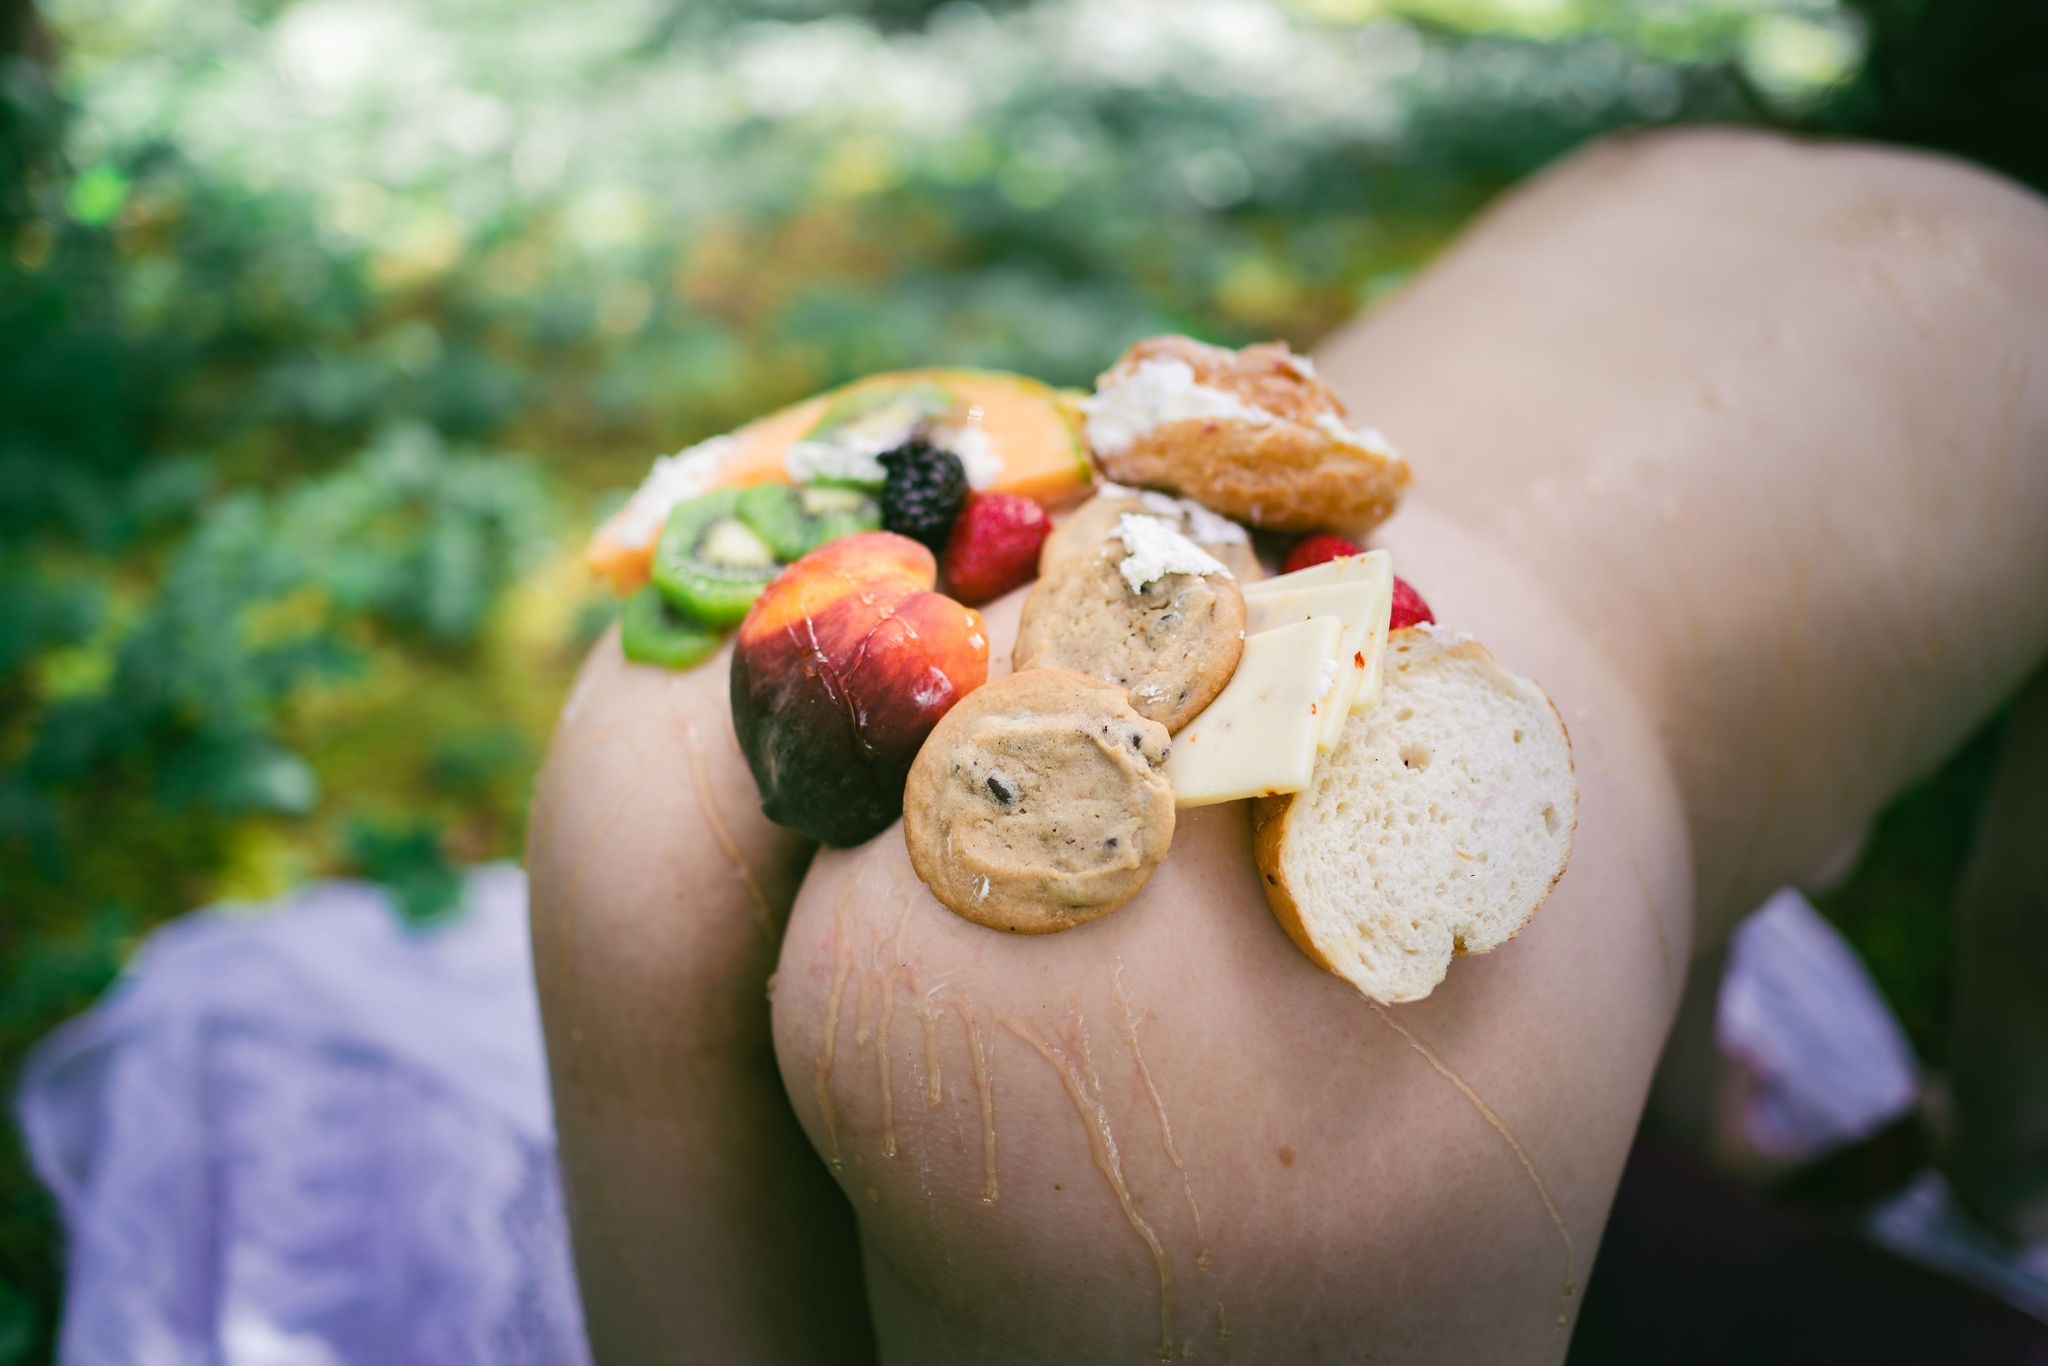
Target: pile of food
1411 799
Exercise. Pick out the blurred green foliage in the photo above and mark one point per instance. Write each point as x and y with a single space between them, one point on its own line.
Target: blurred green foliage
285 283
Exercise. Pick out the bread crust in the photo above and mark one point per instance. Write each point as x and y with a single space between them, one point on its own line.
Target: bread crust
1269 832
1271 817
1291 474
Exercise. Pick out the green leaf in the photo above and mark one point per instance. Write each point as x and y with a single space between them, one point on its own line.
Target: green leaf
17 1325
239 775
407 857
97 195
60 974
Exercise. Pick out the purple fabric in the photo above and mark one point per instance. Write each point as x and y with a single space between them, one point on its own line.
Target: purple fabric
311 1135
1828 1062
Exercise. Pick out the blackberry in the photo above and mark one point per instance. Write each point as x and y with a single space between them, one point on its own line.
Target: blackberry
923 492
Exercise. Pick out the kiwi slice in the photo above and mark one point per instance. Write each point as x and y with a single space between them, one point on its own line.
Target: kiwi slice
709 564
795 520
841 446
653 632
882 414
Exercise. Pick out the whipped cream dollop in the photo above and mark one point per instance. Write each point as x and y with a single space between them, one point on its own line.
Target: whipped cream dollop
1365 438
1164 390
1156 392
856 457
672 479
1203 525
1153 549
977 452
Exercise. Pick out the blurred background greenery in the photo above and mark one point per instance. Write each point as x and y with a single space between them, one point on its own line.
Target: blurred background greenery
329 327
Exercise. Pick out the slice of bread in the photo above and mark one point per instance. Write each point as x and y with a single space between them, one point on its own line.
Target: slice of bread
1437 826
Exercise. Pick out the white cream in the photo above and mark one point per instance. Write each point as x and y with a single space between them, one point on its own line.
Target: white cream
1153 549
976 451
673 479
1163 390
855 457
853 461
1209 528
1157 392
1365 438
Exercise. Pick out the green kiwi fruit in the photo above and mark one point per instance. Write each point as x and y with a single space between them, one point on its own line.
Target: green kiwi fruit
709 564
796 519
653 632
878 417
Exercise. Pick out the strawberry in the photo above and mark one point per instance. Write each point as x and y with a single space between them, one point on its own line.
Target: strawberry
994 546
1313 550
1409 608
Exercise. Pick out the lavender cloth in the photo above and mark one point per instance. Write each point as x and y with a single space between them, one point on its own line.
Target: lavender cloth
311 1136
1828 1062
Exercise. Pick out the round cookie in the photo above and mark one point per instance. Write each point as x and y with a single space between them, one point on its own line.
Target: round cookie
1253 434
1038 804
1172 646
1097 519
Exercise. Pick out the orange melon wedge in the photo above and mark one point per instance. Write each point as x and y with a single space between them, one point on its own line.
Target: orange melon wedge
1033 429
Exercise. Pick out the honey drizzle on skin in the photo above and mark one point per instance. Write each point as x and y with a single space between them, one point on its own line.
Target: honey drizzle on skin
882 1056
860 1009
1102 1146
984 1083
715 823
821 1069
928 1016
882 1066
1449 1074
1116 977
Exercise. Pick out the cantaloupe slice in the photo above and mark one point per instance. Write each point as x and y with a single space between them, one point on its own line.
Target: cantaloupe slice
1032 428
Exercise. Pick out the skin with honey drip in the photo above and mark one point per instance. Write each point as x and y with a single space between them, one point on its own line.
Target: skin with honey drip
1087 1098
1200 952
1493 1121
1659 412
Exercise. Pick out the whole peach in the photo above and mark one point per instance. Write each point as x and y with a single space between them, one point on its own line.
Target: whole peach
839 672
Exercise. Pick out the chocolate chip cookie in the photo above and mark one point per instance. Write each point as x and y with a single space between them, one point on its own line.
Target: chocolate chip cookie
1038 803
1172 643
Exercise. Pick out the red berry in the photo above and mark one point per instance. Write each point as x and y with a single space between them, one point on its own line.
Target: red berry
1313 550
1409 608
994 546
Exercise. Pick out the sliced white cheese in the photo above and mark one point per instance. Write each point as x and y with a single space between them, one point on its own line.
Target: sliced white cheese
1358 606
1259 736
1343 569
1358 588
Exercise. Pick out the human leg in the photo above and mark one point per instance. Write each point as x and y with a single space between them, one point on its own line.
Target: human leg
704 1229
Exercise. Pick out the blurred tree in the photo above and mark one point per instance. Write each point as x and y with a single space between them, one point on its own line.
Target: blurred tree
1963 76
21 31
